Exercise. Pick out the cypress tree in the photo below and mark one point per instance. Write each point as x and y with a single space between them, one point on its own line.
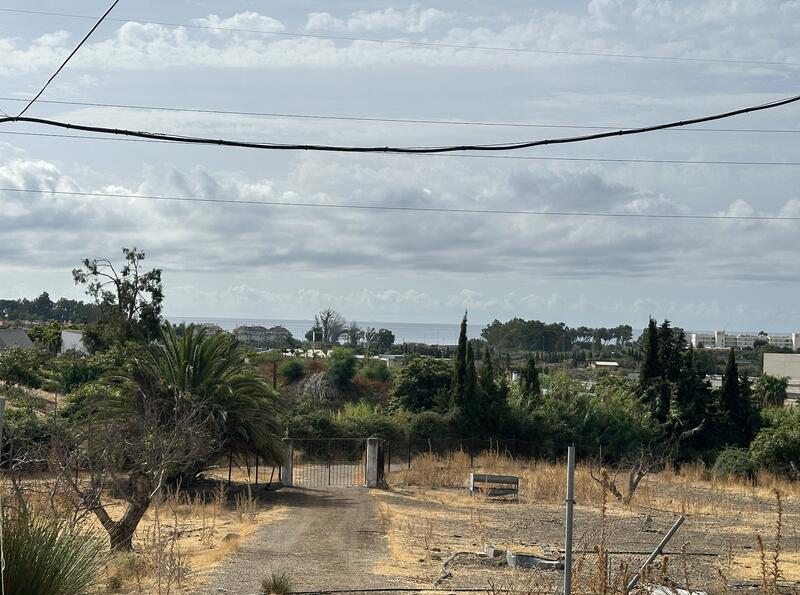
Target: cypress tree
650 368
529 382
460 368
729 392
471 406
735 406
486 378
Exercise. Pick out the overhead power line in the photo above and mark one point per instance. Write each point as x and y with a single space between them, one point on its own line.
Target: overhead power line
380 119
402 150
69 57
363 207
457 156
404 42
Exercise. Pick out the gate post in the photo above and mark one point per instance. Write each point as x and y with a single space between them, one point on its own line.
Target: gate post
286 468
372 463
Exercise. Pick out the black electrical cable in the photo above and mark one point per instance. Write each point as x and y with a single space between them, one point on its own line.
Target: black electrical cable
68 58
379 119
405 150
460 155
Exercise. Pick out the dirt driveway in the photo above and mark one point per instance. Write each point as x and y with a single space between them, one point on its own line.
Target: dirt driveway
330 540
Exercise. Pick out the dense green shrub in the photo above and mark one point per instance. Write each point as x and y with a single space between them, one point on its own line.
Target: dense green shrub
21 366
736 462
421 384
317 424
375 369
292 370
341 367
776 447
430 424
45 556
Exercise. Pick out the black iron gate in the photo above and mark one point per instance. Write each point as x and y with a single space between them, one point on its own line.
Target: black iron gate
329 462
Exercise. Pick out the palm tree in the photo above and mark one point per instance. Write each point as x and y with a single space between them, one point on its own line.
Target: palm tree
177 404
211 372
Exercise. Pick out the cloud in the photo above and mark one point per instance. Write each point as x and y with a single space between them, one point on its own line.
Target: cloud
711 29
414 19
59 230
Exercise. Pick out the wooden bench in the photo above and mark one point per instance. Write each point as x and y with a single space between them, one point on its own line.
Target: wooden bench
494 485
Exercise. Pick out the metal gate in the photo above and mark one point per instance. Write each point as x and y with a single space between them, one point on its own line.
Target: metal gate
329 462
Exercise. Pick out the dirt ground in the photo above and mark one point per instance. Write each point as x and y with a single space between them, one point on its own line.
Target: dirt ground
330 539
715 550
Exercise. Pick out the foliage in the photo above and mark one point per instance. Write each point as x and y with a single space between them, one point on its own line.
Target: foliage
341 367
46 556
328 327
672 385
458 386
776 447
21 366
429 424
770 391
380 340
529 383
178 403
211 372
736 462
362 419
277 583
129 299
47 336
44 309
354 334
612 419
375 369
736 413
72 370
292 370
421 384
531 335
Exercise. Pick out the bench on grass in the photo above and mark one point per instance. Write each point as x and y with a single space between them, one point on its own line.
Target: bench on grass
494 485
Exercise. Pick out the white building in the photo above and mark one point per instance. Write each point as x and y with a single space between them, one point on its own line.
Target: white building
723 340
707 340
782 341
745 341
73 341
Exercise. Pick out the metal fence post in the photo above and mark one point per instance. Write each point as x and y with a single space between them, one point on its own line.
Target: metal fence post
655 553
568 529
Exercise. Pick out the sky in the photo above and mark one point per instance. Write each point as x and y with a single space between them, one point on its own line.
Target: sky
224 260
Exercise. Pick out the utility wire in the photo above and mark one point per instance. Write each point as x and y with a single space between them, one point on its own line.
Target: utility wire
457 156
404 150
68 58
379 119
416 43
406 209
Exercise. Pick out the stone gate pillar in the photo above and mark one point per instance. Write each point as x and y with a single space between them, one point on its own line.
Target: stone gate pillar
372 462
286 468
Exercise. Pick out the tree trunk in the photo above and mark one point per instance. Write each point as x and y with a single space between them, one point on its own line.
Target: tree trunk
120 533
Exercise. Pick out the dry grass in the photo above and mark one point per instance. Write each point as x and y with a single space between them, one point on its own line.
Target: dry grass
728 509
182 537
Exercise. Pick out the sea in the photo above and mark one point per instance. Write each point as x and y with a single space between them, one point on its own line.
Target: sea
404 332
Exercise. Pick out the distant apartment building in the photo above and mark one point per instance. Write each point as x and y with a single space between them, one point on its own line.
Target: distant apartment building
259 336
723 340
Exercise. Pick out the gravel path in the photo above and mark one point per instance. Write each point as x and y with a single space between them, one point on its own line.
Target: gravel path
330 540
